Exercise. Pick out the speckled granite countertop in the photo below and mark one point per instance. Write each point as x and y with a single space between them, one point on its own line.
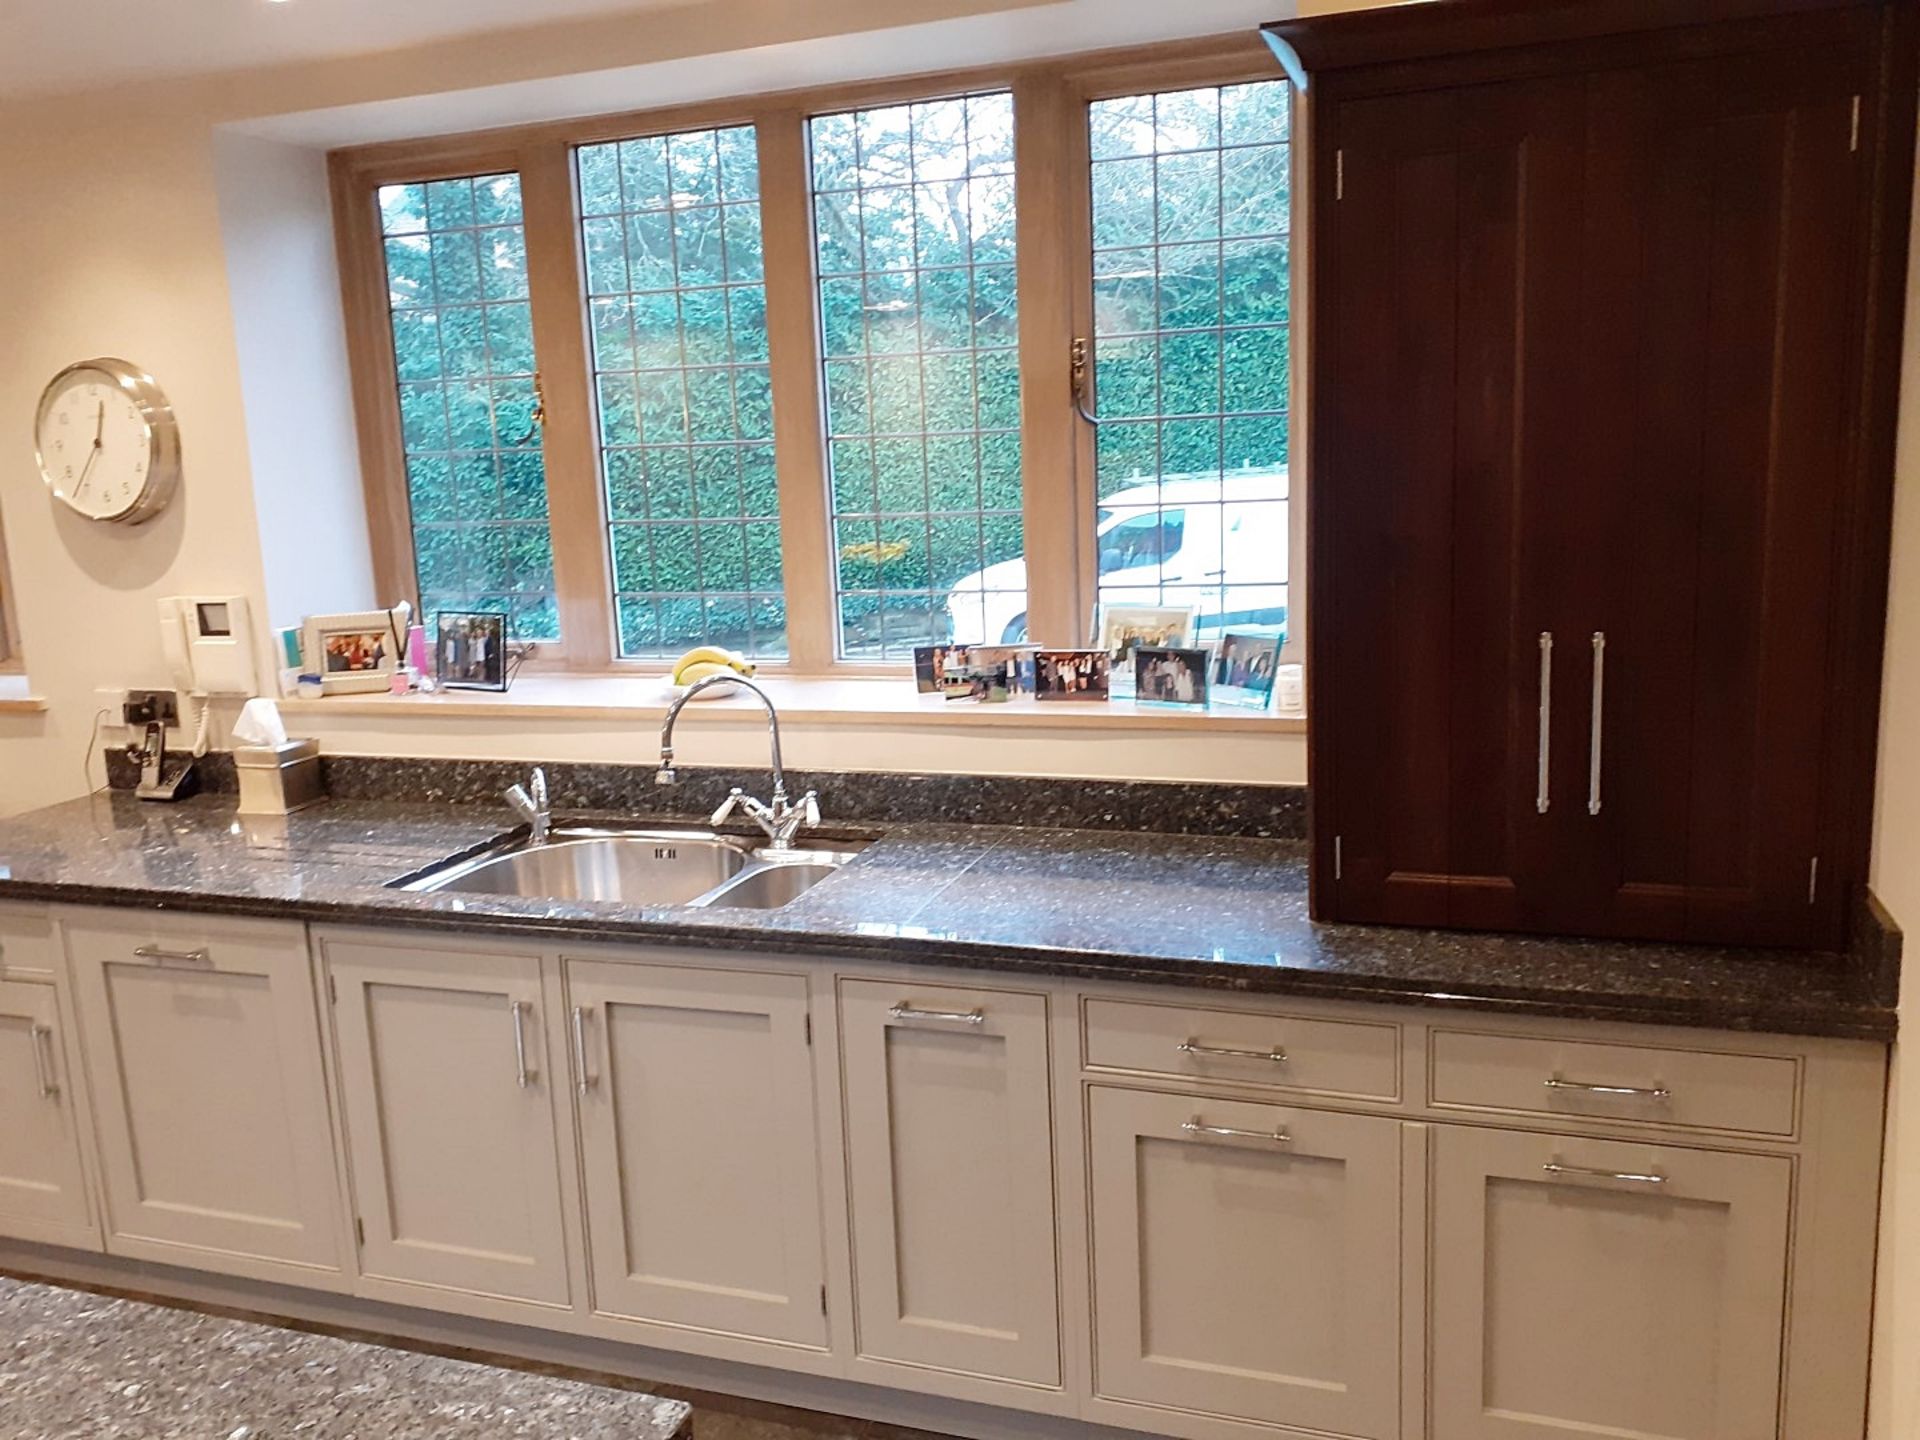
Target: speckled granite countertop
1195 911
79 1366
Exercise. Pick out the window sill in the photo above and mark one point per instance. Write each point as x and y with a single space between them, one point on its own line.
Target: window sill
17 699
889 701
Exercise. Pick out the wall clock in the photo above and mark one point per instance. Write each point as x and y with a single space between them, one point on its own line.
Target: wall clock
107 442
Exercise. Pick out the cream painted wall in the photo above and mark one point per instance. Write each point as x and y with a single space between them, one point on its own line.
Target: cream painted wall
1896 879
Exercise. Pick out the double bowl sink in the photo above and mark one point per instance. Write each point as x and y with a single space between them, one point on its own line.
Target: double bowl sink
701 869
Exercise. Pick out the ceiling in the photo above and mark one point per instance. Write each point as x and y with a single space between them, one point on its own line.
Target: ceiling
58 46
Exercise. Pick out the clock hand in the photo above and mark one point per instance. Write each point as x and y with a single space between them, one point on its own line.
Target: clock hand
100 426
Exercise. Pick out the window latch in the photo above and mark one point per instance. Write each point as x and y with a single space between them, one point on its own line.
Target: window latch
1082 378
537 421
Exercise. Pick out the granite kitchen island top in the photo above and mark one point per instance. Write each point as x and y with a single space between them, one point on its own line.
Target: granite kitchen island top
80 1366
1204 912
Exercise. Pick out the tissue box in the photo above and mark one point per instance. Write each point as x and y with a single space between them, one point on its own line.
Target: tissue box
277 779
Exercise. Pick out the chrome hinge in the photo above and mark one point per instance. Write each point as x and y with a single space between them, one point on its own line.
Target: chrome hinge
1813 879
333 989
359 1232
1336 857
823 1299
1340 174
806 1024
1853 139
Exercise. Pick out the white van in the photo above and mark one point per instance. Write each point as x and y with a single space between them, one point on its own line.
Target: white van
1216 542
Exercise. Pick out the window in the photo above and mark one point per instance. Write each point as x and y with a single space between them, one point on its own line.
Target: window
775 374
462 328
677 309
914 233
1192 292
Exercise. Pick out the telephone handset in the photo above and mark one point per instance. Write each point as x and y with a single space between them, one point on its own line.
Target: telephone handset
208 643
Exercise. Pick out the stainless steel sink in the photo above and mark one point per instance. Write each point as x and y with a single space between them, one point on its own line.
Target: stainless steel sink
660 866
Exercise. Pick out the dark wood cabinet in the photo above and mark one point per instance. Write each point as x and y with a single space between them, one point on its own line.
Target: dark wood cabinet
1602 316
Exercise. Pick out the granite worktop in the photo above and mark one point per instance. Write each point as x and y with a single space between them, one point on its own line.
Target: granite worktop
1226 913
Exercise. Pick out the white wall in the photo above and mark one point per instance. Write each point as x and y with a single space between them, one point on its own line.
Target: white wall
1896 879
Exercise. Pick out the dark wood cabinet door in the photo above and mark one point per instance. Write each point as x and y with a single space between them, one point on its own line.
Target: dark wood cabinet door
1449 228
1723 213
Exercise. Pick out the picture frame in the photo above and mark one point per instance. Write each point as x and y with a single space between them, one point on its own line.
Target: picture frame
1072 675
1245 666
470 650
1124 628
1164 675
357 652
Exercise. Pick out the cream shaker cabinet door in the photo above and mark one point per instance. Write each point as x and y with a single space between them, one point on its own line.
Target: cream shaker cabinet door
1246 1260
203 1053
448 1094
696 1104
1588 1287
950 1159
43 1190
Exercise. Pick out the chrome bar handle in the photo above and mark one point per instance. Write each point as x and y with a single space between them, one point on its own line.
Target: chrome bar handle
1598 721
1197 1126
520 1042
1191 1046
587 1078
1630 1092
160 955
43 1066
904 1011
1554 1167
1541 796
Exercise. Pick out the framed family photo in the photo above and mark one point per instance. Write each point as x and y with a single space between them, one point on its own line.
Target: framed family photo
358 652
1244 667
1163 675
470 652
1126 628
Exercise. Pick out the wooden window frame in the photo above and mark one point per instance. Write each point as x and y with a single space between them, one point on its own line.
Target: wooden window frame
12 662
1053 275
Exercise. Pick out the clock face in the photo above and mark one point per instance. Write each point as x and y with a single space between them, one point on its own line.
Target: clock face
105 441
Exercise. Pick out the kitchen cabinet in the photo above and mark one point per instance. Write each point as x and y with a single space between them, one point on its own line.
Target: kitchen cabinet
203 1060
1599 461
696 1111
1600 1287
452 1136
950 1167
1246 1260
43 1188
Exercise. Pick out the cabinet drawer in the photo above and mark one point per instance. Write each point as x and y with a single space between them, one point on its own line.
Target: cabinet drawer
26 945
1287 1052
1643 1085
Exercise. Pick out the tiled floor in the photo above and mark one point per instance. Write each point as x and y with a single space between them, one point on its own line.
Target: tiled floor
76 1365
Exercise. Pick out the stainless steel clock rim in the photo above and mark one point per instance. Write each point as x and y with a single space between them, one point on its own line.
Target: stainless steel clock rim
163 437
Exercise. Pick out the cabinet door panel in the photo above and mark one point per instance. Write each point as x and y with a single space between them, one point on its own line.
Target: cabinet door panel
1452 282
1246 1277
452 1137
204 1061
1722 297
702 1169
43 1192
950 1153
1571 1304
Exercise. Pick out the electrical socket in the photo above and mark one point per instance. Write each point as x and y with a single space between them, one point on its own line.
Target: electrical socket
143 707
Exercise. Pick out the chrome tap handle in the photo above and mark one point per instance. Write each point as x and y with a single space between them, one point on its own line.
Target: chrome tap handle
540 787
734 797
810 808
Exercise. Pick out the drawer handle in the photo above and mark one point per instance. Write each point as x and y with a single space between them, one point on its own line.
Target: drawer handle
1554 1167
43 1067
1658 1093
1191 1046
160 955
520 1042
904 1011
1197 1126
587 1077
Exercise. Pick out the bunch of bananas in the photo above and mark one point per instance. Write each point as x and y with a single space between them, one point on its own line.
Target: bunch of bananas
705 660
